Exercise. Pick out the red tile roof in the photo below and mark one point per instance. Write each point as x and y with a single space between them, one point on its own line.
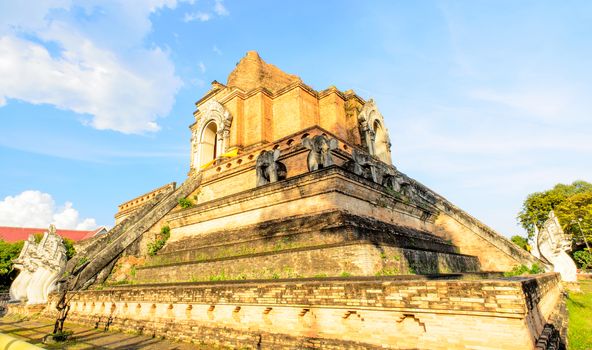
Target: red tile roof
14 234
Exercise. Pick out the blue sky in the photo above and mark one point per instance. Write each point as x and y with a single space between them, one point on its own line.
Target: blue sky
486 101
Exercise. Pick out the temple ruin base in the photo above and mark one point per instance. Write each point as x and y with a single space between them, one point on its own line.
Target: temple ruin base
399 312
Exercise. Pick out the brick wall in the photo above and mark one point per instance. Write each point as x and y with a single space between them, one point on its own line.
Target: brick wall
339 313
352 259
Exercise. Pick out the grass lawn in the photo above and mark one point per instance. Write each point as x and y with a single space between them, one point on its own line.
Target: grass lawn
580 317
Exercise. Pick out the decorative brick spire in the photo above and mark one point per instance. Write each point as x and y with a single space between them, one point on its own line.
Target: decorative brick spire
252 72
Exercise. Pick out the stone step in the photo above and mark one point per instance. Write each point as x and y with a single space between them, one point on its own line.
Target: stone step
359 258
296 232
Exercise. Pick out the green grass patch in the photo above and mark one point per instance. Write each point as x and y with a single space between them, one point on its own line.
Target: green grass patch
520 270
579 305
393 271
154 247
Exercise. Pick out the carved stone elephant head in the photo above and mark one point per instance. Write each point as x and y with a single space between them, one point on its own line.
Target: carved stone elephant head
362 165
320 148
268 169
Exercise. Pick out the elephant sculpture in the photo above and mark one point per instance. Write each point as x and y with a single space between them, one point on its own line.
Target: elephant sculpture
387 176
320 148
361 164
268 169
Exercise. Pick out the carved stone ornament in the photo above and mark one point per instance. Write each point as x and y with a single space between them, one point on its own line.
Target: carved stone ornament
387 175
211 111
552 244
373 131
40 265
362 165
320 147
268 169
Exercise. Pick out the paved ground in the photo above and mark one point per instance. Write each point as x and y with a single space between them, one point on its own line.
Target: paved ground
85 337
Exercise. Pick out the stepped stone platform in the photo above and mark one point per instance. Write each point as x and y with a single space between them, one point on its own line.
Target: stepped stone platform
403 312
326 244
340 233
295 230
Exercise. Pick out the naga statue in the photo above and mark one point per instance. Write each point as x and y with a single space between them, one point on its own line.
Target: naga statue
552 244
40 264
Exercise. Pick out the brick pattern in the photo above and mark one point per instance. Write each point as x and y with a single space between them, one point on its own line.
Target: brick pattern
355 258
343 313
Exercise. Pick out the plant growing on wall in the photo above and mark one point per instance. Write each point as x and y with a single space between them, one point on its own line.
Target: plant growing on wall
154 247
519 270
185 203
70 251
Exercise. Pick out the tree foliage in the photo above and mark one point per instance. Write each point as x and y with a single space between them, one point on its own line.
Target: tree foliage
70 251
521 242
8 252
584 259
572 205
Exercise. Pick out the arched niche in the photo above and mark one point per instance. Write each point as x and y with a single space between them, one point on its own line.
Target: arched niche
208 144
373 132
211 134
381 142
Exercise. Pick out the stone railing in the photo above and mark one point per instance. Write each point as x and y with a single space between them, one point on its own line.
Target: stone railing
116 244
125 208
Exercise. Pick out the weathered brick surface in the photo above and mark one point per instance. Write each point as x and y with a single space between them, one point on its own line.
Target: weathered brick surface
358 258
338 313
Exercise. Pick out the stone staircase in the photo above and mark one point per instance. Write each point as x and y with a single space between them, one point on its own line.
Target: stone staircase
103 252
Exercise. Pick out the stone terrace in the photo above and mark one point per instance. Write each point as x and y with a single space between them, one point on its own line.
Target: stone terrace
391 312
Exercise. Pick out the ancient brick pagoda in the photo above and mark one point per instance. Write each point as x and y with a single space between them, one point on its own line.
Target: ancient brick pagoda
302 233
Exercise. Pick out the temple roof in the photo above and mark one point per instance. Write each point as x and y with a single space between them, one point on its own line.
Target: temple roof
252 72
15 234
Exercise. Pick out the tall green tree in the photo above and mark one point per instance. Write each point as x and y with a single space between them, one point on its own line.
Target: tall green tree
572 205
8 252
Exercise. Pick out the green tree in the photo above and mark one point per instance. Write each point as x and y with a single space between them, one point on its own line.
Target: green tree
8 252
575 216
573 207
521 242
570 202
584 259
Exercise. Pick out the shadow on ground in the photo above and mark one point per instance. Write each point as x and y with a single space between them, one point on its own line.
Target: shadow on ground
34 329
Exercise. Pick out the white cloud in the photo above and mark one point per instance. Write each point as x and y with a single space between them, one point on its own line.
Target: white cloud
217 50
202 67
38 209
552 103
197 16
98 68
220 9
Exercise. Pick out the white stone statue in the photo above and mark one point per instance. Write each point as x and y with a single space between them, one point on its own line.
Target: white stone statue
552 244
40 267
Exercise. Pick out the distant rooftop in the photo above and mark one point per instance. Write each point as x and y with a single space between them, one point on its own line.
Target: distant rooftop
15 234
